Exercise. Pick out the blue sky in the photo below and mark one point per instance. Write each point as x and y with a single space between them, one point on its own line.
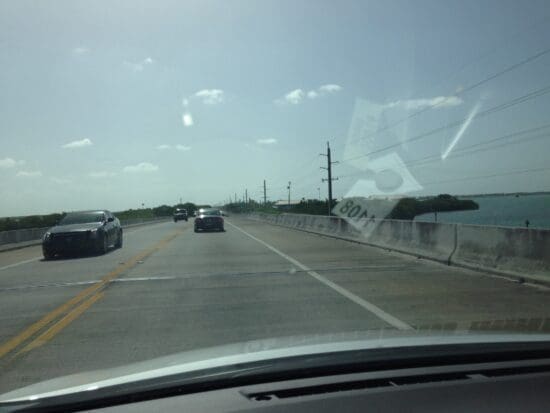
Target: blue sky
115 104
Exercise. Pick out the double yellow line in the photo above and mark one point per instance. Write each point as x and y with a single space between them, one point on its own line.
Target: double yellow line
56 320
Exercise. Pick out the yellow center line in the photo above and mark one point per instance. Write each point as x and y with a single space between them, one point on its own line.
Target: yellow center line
34 328
61 324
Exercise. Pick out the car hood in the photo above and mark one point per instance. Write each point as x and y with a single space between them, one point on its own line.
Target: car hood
75 227
197 361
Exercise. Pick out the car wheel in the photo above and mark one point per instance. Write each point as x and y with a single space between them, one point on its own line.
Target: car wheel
118 243
48 255
196 230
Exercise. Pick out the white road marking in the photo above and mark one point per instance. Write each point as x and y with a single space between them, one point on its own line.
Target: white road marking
129 279
77 283
377 311
17 264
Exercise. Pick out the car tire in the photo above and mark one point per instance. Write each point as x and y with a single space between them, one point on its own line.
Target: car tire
196 230
118 243
48 255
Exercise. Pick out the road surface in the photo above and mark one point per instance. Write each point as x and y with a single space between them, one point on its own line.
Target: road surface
170 290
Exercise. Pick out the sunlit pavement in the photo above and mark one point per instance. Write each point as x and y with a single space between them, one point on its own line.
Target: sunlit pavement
170 290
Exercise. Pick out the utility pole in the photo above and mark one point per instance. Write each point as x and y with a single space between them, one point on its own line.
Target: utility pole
235 197
265 195
288 187
329 178
319 190
246 196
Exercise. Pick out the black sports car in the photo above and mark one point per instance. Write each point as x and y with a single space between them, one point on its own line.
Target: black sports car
209 219
86 231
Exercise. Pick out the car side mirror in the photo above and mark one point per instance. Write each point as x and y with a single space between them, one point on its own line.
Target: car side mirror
111 219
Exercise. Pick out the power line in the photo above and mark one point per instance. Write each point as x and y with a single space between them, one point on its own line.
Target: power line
465 152
469 148
472 178
297 169
465 90
521 99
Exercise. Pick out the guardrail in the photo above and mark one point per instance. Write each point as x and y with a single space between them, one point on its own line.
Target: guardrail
517 252
32 234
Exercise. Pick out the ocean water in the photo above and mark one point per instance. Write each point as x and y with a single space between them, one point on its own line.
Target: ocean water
501 210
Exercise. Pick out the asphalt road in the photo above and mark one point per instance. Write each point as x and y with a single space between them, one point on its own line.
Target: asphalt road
170 290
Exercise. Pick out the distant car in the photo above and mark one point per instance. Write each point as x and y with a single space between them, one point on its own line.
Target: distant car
86 231
223 213
181 215
209 219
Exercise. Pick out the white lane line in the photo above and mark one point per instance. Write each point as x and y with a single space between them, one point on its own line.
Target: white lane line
377 311
17 264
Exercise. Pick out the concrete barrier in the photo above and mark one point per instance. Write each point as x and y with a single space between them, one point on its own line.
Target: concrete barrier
422 239
514 251
21 235
517 252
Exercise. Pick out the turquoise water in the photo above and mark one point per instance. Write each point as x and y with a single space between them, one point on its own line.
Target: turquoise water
502 210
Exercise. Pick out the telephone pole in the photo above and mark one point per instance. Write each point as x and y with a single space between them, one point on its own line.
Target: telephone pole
329 178
265 195
246 196
288 187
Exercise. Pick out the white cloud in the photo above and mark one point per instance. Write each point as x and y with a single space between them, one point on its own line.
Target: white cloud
183 148
101 174
330 88
312 94
268 141
29 174
163 147
78 144
10 163
187 119
294 97
139 66
141 167
79 51
323 90
61 181
435 102
210 96
185 102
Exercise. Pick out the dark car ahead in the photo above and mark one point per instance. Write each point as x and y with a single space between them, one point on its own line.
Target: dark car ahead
180 214
209 219
86 231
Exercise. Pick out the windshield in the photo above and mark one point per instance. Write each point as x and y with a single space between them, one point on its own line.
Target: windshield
82 218
383 168
209 212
